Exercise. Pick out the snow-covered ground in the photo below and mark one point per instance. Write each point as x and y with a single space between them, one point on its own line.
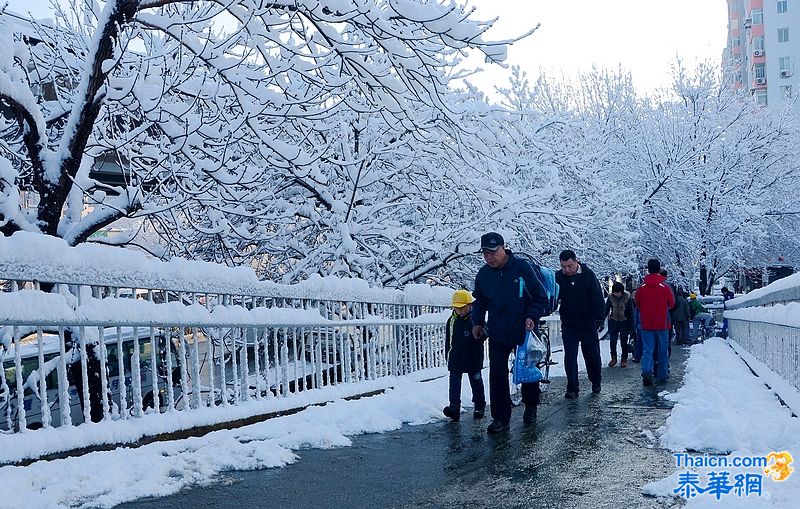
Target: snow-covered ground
722 409
164 468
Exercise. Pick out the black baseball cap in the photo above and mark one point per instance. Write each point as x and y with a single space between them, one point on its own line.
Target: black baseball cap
492 241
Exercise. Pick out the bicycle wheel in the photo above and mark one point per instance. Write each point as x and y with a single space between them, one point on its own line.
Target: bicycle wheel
514 389
546 362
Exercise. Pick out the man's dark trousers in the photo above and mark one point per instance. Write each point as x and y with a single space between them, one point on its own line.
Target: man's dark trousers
499 389
590 346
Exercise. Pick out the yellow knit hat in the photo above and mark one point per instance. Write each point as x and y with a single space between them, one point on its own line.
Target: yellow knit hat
462 298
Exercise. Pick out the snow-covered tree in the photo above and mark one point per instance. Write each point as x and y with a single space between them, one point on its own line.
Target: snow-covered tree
569 141
205 105
708 166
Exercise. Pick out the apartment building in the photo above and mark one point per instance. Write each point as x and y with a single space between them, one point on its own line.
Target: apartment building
764 47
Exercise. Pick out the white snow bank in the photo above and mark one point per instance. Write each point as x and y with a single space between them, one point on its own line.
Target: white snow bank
778 314
104 479
723 408
31 256
781 284
36 307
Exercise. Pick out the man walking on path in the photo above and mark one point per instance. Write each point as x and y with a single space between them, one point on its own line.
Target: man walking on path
654 300
582 309
515 300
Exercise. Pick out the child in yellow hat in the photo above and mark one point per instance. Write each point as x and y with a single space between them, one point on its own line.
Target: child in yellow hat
464 354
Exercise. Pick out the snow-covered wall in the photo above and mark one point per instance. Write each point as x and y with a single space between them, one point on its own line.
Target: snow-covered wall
30 256
784 290
766 323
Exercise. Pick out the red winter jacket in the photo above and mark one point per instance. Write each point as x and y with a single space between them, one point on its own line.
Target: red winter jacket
654 300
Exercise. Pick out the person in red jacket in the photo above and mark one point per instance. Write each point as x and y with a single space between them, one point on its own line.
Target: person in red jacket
654 299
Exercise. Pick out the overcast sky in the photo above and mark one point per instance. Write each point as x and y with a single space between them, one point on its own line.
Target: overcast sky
643 35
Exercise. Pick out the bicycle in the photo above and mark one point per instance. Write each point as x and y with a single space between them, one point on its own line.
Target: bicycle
706 331
543 365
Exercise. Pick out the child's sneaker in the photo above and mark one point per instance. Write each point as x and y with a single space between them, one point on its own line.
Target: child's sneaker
453 412
479 412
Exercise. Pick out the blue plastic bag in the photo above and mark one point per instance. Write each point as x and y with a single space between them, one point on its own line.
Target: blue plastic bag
528 354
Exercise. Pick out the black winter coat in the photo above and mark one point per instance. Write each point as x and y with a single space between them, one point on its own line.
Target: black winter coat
510 295
463 352
581 299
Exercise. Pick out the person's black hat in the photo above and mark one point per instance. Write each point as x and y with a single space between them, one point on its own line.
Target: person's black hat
492 241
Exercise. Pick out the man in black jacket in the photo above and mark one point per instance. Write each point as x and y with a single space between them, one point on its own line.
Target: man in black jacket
582 311
515 300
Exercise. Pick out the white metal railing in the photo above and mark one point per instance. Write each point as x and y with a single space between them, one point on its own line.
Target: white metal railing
766 323
61 371
194 348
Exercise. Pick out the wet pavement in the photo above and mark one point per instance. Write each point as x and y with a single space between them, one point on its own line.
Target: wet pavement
585 453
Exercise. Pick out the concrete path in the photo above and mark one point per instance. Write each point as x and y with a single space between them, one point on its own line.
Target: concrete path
585 453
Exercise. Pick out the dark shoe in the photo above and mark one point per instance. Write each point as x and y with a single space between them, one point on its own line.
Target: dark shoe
571 394
596 389
479 412
624 363
453 412
612 362
497 427
647 380
529 417
634 359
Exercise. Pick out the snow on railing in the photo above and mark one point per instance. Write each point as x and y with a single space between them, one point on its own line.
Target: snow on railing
102 334
105 271
117 359
766 322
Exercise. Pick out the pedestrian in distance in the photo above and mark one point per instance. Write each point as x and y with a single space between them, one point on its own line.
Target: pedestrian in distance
506 289
464 354
699 314
637 331
582 313
654 300
619 310
682 315
670 312
726 296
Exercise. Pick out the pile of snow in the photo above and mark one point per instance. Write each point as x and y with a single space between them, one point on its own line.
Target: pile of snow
779 314
32 256
105 479
723 409
164 468
792 281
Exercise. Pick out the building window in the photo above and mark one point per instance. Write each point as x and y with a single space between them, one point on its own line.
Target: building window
757 16
782 6
735 42
760 70
734 24
785 63
783 35
786 91
761 97
758 43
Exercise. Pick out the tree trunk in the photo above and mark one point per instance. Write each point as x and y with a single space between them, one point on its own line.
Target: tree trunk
703 280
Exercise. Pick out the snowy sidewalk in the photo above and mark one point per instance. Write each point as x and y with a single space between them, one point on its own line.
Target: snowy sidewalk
723 409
